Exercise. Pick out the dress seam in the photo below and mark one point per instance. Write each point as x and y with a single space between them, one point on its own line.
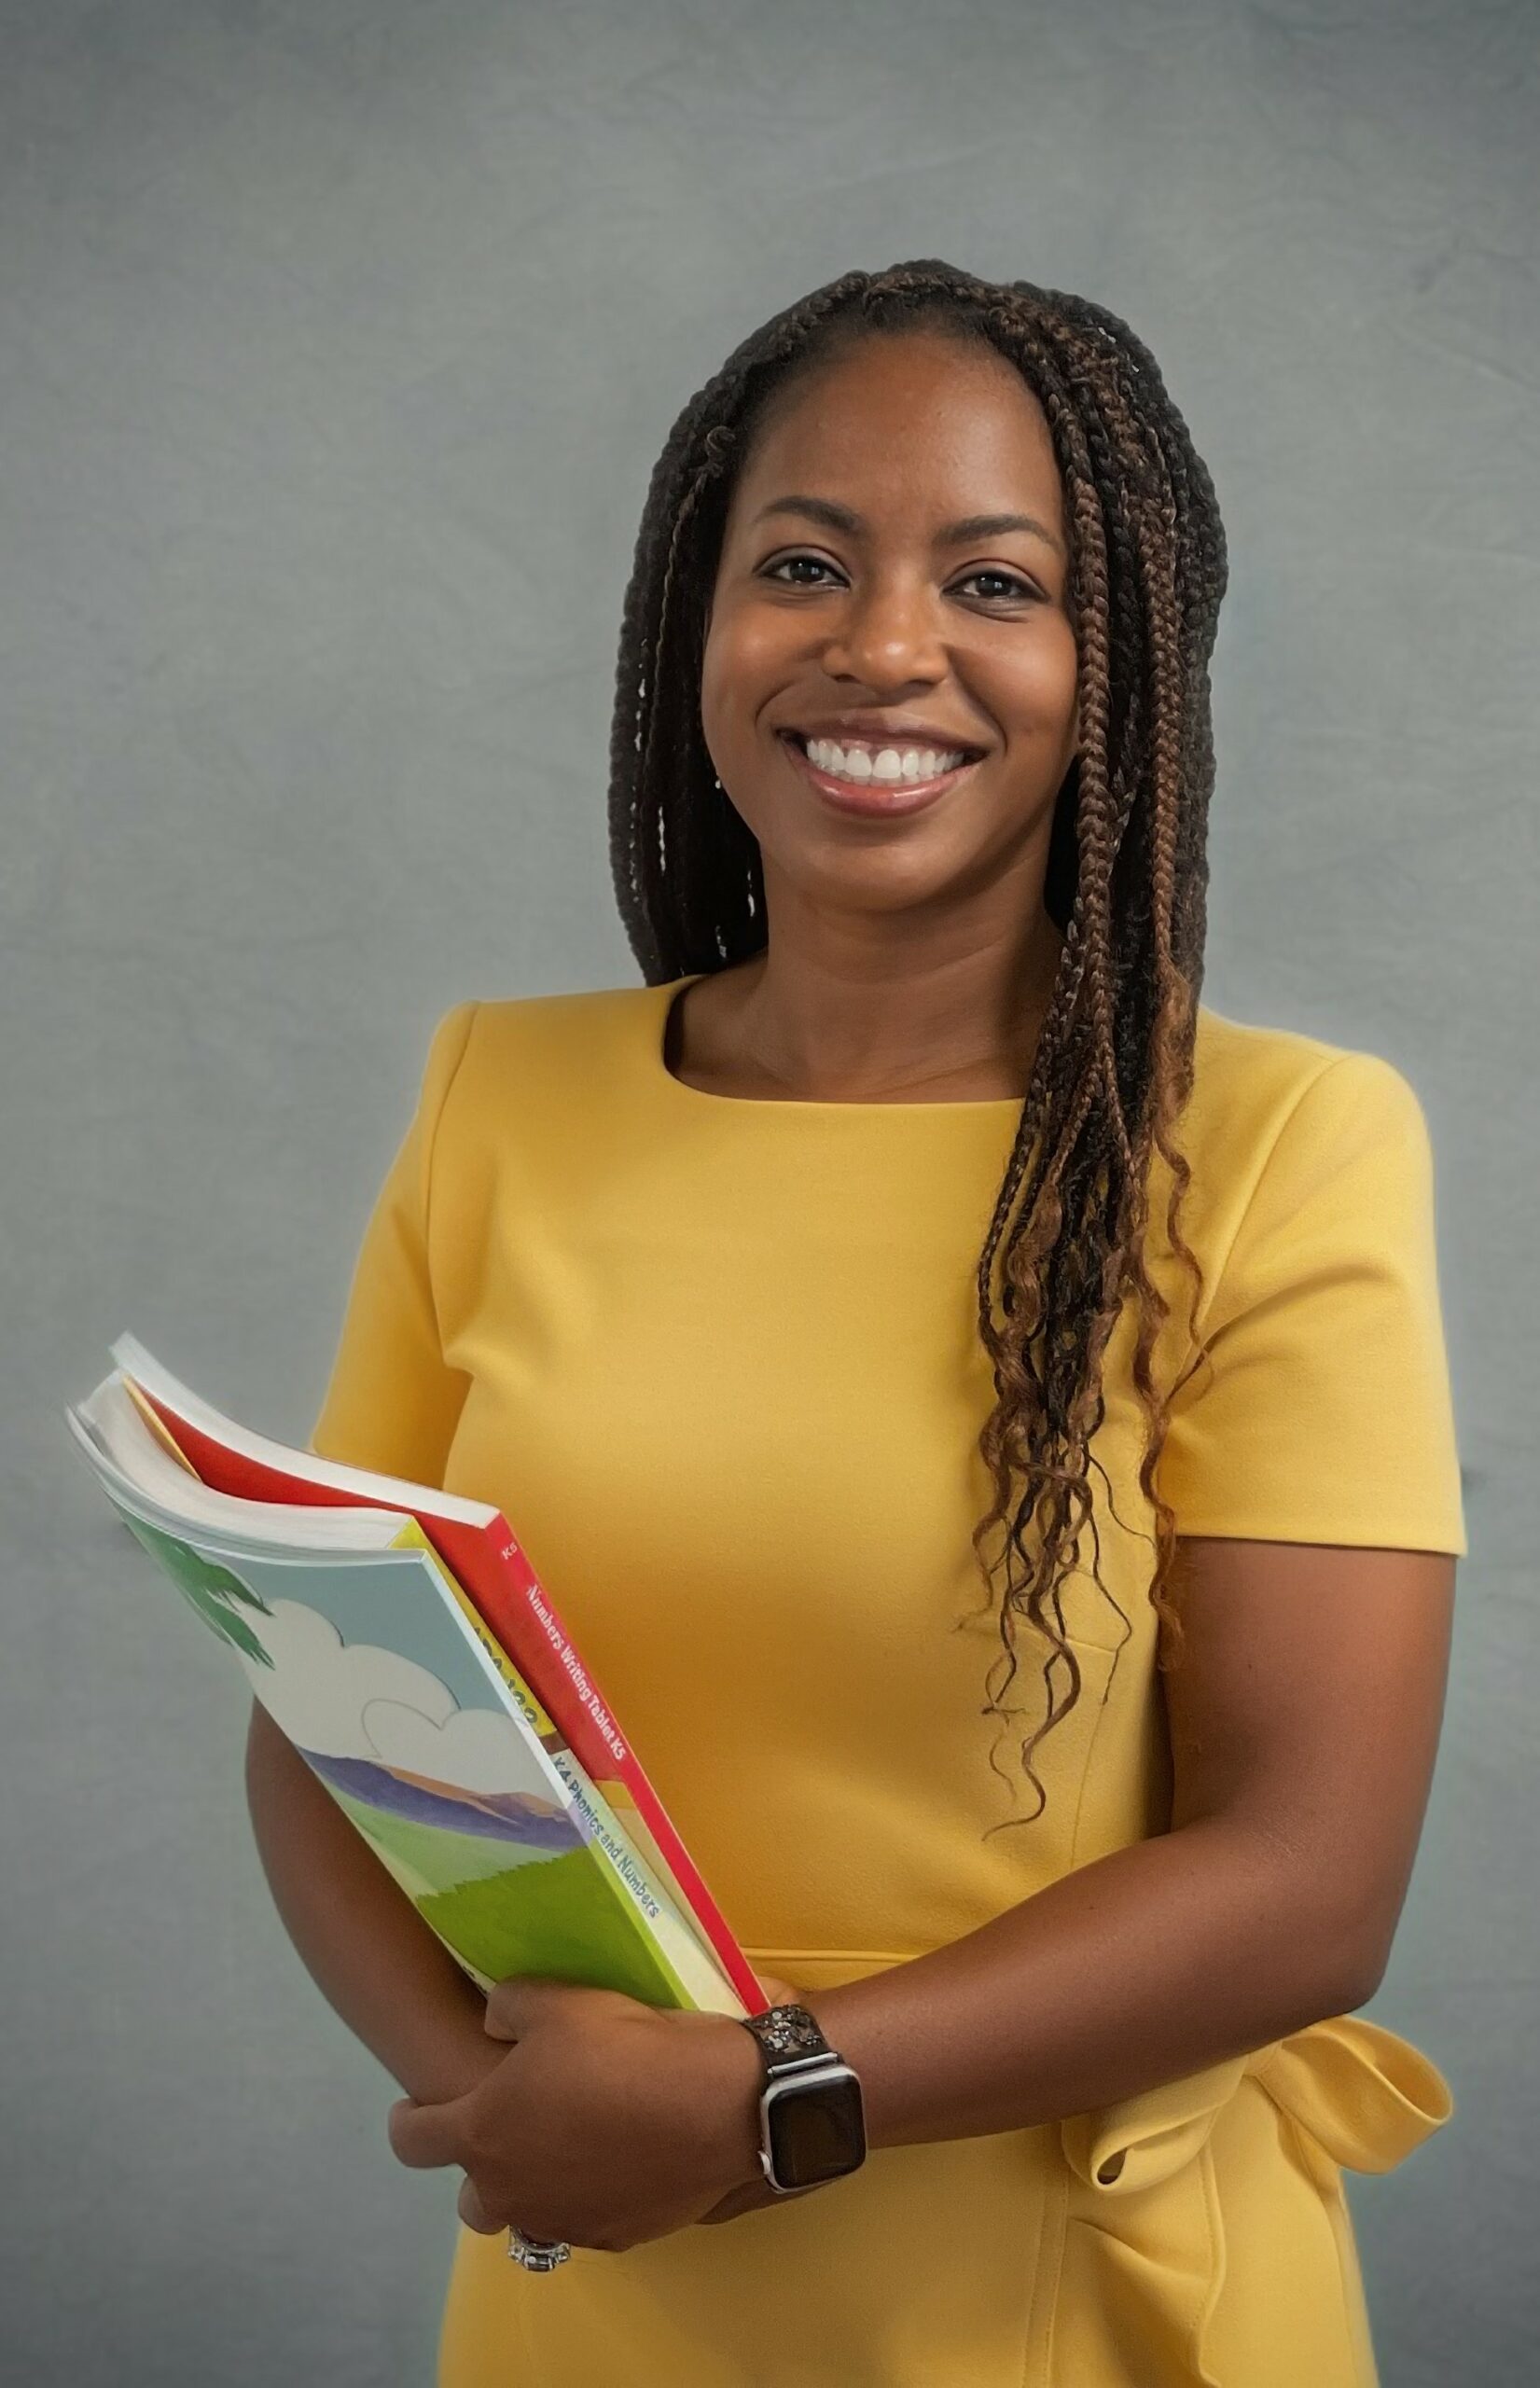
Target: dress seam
1047 2283
1216 1283
1208 2174
1101 1711
430 1156
1333 2201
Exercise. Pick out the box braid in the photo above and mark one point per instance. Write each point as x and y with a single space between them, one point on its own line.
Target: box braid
1126 877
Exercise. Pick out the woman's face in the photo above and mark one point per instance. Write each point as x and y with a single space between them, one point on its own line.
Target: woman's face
891 591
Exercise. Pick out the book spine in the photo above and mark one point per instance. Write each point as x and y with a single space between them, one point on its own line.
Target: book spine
652 1913
525 1619
652 1908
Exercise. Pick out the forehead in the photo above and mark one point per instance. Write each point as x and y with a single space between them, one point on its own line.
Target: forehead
914 422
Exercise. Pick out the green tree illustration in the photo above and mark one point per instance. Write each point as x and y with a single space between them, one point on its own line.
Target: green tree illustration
209 1589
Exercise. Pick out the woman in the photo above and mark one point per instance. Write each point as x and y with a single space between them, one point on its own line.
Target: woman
984 1414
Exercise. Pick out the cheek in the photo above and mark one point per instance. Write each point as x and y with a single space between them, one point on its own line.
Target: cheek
1032 684
747 653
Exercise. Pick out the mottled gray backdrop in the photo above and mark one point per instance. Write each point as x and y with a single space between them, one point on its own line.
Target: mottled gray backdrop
337 341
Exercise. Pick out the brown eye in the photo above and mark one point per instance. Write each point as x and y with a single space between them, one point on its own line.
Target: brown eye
1006 585
787 565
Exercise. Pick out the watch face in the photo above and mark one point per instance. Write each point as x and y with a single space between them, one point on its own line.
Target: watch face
817 2130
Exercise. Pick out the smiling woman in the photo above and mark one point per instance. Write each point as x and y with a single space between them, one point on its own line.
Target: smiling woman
911 1277
912 653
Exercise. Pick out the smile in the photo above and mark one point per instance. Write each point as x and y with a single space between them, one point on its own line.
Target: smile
863 776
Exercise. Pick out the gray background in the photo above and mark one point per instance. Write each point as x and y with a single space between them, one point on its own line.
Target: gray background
338 340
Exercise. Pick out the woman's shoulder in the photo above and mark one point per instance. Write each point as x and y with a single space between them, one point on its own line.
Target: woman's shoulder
583 1016
1293 1134
1248 1080
513 1058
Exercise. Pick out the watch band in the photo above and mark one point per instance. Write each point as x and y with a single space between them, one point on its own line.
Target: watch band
812 2121
786 2033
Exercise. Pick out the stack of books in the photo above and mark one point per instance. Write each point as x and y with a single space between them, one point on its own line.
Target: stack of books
399 1638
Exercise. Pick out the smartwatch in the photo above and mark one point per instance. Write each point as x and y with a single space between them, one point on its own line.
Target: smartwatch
812 2122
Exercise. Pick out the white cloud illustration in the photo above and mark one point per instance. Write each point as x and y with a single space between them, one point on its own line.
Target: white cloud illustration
474 1749
318 1685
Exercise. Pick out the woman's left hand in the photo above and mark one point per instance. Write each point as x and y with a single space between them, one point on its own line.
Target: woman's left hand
608 2121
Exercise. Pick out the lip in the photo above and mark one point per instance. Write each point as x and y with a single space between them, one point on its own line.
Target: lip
871 731
891 800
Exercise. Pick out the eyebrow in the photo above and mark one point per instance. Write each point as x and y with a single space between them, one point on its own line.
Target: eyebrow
973 526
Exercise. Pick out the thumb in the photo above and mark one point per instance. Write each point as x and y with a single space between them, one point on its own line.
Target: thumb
522 2003
515 2004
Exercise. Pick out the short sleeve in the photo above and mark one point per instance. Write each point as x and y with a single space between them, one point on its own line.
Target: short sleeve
393 1401
1323 1412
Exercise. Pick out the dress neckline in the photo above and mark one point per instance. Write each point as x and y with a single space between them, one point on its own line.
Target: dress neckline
995 1108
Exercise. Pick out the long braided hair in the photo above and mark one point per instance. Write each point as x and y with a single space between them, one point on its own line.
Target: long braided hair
1126 875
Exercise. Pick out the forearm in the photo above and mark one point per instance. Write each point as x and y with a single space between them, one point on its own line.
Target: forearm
1148 1965
363 1944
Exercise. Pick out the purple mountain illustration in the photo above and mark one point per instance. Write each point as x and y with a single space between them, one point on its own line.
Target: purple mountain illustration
492 1816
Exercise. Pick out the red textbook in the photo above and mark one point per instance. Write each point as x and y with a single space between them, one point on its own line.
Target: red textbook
482 1553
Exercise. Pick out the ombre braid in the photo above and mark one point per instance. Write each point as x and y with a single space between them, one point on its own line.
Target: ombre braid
1126 877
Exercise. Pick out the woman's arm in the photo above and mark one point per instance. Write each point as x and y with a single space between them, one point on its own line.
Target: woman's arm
1304 1721
369 1951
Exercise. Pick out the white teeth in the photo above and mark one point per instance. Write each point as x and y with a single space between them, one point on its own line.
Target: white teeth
889 764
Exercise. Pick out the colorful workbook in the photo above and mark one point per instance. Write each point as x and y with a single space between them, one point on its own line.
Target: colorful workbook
371 1619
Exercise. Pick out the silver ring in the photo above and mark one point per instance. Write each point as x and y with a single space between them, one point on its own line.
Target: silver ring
536 2255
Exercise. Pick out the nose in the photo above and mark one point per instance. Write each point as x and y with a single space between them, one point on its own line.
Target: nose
887 636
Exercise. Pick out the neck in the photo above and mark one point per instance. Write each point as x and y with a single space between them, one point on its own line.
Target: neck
877 1010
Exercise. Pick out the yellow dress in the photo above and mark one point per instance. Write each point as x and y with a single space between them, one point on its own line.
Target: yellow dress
717 1360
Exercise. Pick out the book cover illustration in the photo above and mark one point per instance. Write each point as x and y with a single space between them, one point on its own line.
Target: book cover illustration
519 1628
387 1696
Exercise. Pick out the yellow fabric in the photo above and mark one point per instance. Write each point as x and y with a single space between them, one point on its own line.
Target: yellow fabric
717 1361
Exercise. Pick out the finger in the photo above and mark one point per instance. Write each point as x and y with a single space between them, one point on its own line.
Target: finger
473 2213
424 2136
513 2004
502 2020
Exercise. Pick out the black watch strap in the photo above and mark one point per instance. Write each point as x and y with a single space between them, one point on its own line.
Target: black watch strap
789 2036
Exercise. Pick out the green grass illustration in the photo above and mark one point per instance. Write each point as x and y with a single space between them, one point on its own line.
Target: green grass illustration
551 1919
444 1858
